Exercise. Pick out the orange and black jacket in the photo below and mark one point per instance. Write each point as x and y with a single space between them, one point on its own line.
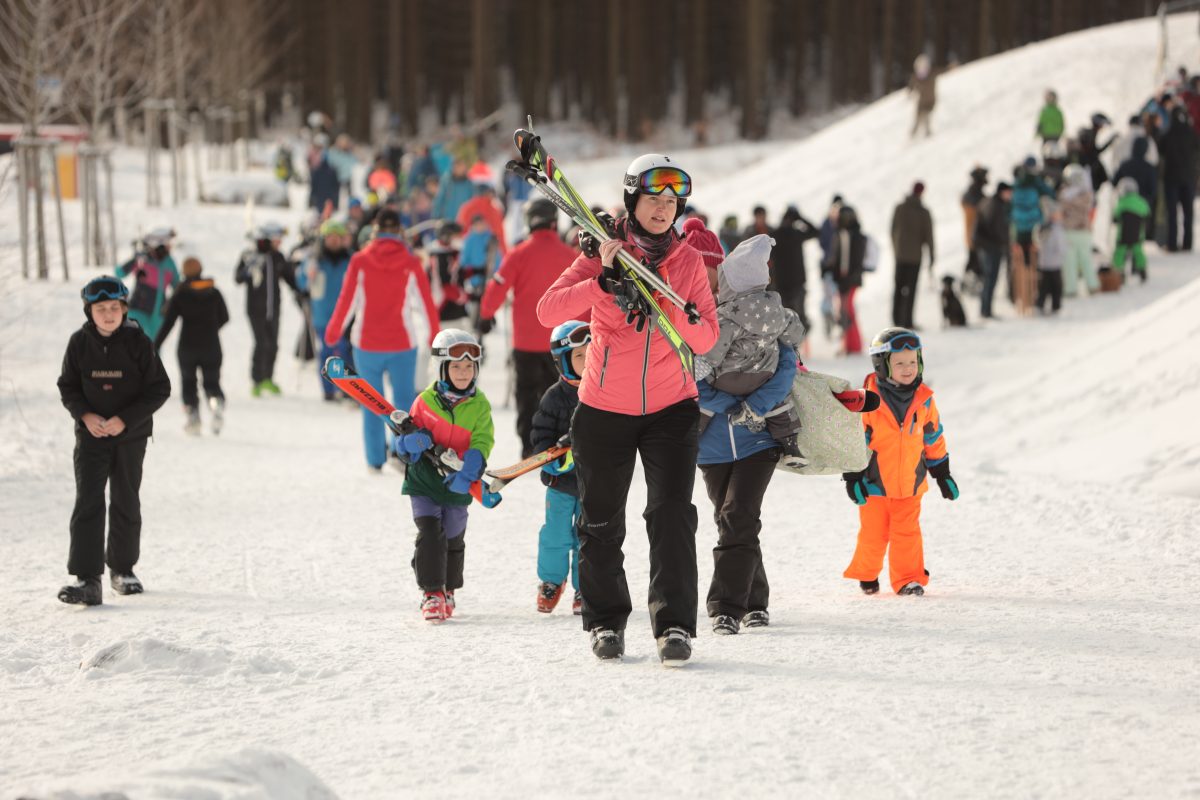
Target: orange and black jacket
902 452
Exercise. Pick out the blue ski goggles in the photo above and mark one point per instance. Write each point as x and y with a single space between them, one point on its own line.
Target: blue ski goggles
905 341
104 288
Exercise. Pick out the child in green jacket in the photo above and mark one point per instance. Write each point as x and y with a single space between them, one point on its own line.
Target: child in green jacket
1130 215
451 413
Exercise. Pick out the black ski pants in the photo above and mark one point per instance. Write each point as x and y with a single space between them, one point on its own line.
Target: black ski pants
535 373
208 363
438 559
1050 287
905 295
101 462
739 582
266 346
606 446
1180 196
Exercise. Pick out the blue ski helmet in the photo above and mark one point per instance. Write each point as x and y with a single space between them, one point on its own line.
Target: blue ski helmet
566 337
105 287
894 340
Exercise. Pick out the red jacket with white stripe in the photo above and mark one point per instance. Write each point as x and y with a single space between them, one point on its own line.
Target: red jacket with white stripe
376 292
528 271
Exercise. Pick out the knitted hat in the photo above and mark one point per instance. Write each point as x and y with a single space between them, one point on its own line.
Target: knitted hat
747 267
704 241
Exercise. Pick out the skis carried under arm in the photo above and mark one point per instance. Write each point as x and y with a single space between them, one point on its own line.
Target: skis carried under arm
503 476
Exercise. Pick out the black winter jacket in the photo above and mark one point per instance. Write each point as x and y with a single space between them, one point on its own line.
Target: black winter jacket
198 302
261 272
1141 170
551 422
787 256
991 225
1178 148
118 376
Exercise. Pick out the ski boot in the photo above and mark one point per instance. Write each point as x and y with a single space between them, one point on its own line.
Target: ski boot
914 588
756 619
548 595
449 603
257 389
607 643
192 426
725 625
217 406
790 455
270 386
674 647
83 592
433 607
577 605
869 587
125 582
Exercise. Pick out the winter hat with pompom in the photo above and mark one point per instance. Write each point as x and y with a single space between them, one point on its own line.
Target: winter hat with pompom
704 241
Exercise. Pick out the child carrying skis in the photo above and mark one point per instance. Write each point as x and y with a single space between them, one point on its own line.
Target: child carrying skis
198 302
1130 215
754 323
451 413
558 541
906 442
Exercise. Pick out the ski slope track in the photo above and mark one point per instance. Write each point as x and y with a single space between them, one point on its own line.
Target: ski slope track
278 651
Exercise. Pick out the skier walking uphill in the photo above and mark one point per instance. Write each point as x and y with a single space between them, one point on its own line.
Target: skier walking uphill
528 271
198 302
375 294
322 277
112 382
912 233
261 269
155 275
924 84
788 276
637 399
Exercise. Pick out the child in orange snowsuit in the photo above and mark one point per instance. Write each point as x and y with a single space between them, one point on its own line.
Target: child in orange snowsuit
906 442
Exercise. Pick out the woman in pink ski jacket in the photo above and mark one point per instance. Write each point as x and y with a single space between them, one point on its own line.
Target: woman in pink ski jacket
636 398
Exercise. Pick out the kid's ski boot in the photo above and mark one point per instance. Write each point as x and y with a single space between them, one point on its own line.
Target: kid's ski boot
433 607
674 647
192 425
725 625
607 643
83 592
548 596
125 582
270 386
257 389
449 603
217 406
869 587
756 619
913 588
790 455
577 605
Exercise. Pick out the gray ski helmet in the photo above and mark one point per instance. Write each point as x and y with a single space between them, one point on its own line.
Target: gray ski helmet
541 213
894 340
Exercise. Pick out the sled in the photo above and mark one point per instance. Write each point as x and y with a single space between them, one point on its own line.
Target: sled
831 435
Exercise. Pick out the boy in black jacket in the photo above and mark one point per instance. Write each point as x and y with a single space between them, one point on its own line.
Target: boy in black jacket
261 269
200 305
558 542
112 382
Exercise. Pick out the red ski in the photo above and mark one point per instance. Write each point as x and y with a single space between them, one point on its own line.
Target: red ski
505 475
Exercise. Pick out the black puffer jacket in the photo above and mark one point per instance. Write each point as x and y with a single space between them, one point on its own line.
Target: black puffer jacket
261 272
118 376
787 257
198 302
551 422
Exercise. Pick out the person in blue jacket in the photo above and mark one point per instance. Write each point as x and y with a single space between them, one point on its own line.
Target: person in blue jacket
322 278
737 464
454 190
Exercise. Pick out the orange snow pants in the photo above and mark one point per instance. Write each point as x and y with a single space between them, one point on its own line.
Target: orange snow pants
895 523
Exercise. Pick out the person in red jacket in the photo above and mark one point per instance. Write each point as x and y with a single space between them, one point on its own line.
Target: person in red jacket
527 271
485 206
636 398
375 294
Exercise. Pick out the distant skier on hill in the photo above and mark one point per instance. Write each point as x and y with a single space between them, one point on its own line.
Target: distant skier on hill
923 84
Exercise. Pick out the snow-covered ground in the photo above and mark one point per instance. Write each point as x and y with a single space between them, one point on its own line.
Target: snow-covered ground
278 653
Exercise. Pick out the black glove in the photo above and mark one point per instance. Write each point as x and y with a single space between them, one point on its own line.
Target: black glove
589 244
633 303
484 326
940 472
856 487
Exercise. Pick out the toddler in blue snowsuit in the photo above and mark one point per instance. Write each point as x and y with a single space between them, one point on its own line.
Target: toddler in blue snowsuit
558 542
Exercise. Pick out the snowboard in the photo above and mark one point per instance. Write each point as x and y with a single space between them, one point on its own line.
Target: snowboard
831 435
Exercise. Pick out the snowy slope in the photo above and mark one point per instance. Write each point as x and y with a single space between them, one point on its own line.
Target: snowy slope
278 653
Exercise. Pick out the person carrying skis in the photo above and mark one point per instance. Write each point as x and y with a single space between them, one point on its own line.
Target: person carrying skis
905 438
528 271
155 276
111 382
558 540
452 413
198 302
322 276
378 284
261 269
637 398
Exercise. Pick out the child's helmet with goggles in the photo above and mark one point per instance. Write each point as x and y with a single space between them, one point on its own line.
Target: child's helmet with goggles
569 336
655 173
454 344
894 340
97 290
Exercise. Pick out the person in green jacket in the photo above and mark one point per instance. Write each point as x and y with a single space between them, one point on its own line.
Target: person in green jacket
1050 124
1130 215
453 414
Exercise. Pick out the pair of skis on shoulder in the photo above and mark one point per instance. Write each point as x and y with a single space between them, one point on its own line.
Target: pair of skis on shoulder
445 459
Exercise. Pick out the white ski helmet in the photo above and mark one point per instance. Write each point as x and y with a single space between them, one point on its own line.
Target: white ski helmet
655 173
454 344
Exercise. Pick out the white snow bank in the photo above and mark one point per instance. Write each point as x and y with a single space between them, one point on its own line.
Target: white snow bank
145 654
250 774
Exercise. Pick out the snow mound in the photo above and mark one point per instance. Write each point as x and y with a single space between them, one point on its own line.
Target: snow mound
137 655
249 774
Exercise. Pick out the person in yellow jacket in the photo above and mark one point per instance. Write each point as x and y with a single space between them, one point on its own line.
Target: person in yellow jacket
906 442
